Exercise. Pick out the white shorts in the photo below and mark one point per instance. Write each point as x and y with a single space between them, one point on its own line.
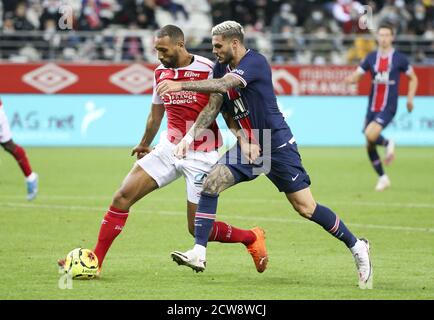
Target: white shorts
5 131
164 167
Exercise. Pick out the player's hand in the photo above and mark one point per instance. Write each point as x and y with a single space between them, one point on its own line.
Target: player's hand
141 151
181 149
250 150
349 79
167 86
410 105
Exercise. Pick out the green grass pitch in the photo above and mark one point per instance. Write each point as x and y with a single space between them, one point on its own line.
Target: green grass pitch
76 186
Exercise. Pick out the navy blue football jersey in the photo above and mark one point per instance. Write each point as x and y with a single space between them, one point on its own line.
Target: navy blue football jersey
385 71
254 105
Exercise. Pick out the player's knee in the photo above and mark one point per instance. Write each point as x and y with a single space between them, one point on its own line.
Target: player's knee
121 200
9 146
304 209
371 138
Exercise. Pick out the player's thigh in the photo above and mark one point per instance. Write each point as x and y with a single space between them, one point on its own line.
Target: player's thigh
286 171
5 131
160 164
302 201
135 186
373 131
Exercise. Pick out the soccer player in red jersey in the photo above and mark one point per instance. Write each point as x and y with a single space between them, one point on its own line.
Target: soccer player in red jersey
385 65
19 154
155 168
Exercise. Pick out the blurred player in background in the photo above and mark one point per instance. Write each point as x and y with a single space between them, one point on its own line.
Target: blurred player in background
244 87
386 64
19 154
158 167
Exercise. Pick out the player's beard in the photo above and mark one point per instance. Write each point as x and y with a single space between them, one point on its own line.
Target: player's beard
227 58
172 62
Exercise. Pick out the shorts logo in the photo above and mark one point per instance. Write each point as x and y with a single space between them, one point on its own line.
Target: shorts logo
295 178
199 178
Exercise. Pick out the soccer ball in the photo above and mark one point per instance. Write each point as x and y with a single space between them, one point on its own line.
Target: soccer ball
81 264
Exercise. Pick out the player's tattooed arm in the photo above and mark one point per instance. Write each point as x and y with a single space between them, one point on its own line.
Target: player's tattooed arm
203 121
220 85
207 115
219 179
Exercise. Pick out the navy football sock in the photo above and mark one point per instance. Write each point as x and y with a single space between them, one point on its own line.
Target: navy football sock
332 224
376 161
205 216
382 141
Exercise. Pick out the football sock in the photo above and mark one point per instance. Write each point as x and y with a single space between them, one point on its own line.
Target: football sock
332 224
205 217
20 155
382 141
376 161
223 232
111 226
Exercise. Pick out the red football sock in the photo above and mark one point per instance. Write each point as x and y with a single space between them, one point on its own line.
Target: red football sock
20 155
223 232
111 226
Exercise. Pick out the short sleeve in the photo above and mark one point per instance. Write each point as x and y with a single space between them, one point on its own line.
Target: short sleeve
364 66
249 69
155 97
405 65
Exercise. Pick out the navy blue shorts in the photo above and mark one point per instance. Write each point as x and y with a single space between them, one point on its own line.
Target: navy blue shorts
383 118
283 168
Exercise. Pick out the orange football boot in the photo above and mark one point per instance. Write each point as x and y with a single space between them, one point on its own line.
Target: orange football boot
258 251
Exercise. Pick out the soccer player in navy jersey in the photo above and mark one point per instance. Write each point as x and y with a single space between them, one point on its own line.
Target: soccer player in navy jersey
242 85
385 65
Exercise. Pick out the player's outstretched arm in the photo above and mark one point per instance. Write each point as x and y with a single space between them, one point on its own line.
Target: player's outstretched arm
220 85
353 78
152 125
412 88
203 121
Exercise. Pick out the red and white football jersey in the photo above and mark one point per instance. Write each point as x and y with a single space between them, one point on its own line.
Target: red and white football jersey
183 107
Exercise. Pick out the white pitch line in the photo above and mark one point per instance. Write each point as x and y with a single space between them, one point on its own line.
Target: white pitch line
178 213
266 201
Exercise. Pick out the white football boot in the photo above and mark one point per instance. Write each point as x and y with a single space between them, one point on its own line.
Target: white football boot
390 153
190 259
383 183
365 270
32 186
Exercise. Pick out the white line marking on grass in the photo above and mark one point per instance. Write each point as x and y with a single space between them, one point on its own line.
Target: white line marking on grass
16 205
250 200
